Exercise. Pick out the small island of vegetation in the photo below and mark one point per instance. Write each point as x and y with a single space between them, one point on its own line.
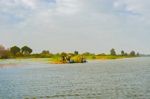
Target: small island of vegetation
15 52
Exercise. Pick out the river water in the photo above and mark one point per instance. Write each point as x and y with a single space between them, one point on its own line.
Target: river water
111 79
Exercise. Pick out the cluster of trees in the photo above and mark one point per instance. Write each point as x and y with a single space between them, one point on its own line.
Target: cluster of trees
43 54
123 53
14 51
72 57
24 51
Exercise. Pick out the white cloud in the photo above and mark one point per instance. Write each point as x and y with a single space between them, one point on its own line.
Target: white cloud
73 22
68 6
137 6
30 3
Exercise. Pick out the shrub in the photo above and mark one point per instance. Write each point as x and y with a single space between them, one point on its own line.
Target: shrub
78 59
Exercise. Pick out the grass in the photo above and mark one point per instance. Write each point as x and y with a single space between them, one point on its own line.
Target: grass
107 57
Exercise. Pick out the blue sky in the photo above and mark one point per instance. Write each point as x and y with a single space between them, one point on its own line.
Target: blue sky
68 25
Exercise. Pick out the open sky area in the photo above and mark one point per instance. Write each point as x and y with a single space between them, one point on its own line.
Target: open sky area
83 25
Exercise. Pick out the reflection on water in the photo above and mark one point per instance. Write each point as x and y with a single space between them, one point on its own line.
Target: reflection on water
115 79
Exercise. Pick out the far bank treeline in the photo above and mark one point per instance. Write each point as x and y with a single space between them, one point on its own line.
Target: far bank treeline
63 57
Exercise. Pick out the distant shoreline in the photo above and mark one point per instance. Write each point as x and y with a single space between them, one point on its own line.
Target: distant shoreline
50 60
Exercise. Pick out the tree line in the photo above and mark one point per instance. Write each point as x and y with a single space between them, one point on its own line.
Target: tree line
123 53
14 51
26 51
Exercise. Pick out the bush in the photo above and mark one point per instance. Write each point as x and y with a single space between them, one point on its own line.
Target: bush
78 59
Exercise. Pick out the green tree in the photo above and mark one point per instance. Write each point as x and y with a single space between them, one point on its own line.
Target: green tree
76 52
125 54
63 56
113 52
26 50
14 50
45 52
138 54
132 53
122 53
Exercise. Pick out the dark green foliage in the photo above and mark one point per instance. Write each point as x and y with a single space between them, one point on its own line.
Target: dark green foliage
36 56
76 52
46 54
122 53
63 56
26 50
125 54
138 54
132 53
113 52
14 50
19 54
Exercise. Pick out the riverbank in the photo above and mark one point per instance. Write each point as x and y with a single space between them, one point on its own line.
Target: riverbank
105 57
110 57
56 60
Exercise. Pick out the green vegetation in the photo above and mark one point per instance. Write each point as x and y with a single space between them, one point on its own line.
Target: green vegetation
68 58
113 52
15 50
61 58
26 50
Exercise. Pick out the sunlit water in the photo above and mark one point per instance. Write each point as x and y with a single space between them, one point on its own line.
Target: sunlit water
113 79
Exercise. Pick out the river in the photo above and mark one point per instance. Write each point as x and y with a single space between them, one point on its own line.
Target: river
107 79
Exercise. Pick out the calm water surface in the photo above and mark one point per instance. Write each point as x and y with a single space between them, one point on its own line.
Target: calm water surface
113 79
